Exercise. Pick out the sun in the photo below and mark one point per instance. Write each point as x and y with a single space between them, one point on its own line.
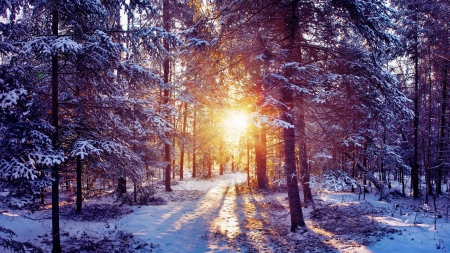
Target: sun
235 124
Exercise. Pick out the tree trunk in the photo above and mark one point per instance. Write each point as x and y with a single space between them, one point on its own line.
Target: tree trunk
304 168
183 141
166 69
194 125
232 163
135 191
209 164
442 140
221 168
79 200
248 161
260 157
415 162
55 171
122 185
428 173
295 207
353 173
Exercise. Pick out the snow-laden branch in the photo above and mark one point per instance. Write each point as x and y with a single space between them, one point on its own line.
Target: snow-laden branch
11 97
17 169
84 148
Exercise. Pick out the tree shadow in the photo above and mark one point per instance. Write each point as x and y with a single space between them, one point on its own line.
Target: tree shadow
265 227
339 227
349 225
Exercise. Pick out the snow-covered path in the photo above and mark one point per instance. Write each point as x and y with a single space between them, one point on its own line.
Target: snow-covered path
188 226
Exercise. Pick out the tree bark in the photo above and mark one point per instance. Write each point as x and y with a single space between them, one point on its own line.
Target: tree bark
248 160
261 157
261 142
183 140
166 69
221 168
415 162
209 164
304 168
442 138
55 117
428 174
194 126
295 207
79 201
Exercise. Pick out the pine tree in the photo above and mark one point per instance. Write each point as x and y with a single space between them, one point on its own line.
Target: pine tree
96 104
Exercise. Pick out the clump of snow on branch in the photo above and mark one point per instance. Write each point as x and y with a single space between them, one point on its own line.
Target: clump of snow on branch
281 123
18 169
83 148
197 43
20 202
275 79
42 141
11 97
46 159
65 45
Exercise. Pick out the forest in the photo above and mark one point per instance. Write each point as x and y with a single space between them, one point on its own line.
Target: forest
224 125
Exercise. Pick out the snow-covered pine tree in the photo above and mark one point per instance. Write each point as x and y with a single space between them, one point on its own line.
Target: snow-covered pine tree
424 75
105 103
354 100
26 147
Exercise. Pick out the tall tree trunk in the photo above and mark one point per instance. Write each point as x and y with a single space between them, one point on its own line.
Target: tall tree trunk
428 173
353 173
442 138
304 168
232 163
221 168
55 171
295 207
79 201
415 162
248 161
209 164
261 157
166 70
194 148
183 140
261 143
42 190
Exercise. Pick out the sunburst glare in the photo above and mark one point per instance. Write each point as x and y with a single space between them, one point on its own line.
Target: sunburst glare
235 124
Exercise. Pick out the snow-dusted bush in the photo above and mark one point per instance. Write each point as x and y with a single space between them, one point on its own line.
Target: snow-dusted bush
144 196
337 180
420 213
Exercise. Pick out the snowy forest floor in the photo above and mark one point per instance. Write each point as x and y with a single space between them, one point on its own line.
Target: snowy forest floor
224 215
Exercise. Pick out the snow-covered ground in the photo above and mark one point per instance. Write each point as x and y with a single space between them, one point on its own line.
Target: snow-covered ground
408 229
224 215
182 226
